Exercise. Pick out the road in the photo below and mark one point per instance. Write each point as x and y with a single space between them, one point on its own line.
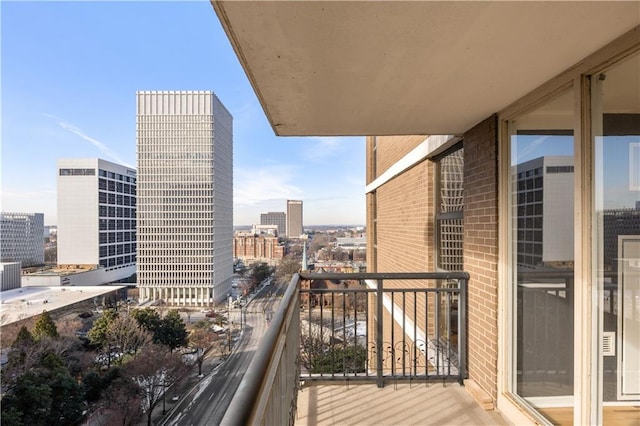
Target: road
207 403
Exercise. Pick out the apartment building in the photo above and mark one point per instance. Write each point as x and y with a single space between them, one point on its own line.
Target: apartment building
275 218
185 197
496 84
251 247
22 238
294 219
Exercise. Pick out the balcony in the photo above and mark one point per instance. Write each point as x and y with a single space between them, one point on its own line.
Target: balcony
384 348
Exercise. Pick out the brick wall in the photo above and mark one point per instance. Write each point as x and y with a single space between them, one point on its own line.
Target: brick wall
405 221
390 149
481 251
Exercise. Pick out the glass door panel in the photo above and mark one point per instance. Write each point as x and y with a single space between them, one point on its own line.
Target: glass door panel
542 253
616 121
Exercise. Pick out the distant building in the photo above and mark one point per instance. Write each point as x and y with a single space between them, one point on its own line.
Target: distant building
275 218
185 197
97 217
294 219
9 275
22 238
257 248
351 243
617 222
265 229
544 198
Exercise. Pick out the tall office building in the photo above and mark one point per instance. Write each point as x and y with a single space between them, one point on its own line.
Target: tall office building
294 219
275 218
21 238
544 207
97 216
185 197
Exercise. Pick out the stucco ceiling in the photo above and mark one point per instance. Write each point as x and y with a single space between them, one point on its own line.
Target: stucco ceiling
415 67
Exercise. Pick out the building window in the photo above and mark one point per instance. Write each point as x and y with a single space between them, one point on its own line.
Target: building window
450 208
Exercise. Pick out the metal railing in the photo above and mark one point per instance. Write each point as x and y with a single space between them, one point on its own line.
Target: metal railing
352 327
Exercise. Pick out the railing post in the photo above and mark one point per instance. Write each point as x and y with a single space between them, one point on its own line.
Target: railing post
379 332
462 330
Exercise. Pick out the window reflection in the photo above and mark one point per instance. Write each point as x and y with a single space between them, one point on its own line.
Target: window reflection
542 222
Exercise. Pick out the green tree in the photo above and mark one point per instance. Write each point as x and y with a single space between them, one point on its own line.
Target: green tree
98 333
24 337
29 400
149 318
172 332
46 393
260 271
44 326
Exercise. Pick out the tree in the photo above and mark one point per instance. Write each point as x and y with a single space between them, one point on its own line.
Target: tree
149 318
153 371
317 355
127 334
288 266
123 400
44 326
172 331
260 271
46 393
98 333
28 401
200 338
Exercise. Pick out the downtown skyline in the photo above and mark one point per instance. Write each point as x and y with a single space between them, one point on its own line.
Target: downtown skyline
69 77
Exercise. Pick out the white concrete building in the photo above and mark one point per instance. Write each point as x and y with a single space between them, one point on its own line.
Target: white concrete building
185 197
22 238
96 216
545 206
9 275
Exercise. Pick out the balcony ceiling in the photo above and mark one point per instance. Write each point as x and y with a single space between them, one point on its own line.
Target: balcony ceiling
417 67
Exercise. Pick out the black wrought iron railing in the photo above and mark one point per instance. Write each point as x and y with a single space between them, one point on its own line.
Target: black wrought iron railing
355 327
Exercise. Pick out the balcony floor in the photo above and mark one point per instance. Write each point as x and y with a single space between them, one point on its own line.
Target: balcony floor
402 404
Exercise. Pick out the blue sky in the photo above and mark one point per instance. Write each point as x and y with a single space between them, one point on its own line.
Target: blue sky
69 73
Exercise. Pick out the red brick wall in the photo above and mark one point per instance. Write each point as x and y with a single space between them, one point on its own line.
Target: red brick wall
481 251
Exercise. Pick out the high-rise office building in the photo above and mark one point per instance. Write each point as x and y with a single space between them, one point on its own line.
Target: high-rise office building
275 218
185 197
544 207
97 216
21 238
294 218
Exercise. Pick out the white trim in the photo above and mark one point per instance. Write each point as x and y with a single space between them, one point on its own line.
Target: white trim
430 147
550 401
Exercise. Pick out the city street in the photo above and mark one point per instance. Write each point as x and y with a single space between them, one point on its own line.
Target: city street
207 402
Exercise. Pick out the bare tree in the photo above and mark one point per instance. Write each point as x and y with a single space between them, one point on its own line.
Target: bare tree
123 402
288 266
127 334
155 369
200 338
